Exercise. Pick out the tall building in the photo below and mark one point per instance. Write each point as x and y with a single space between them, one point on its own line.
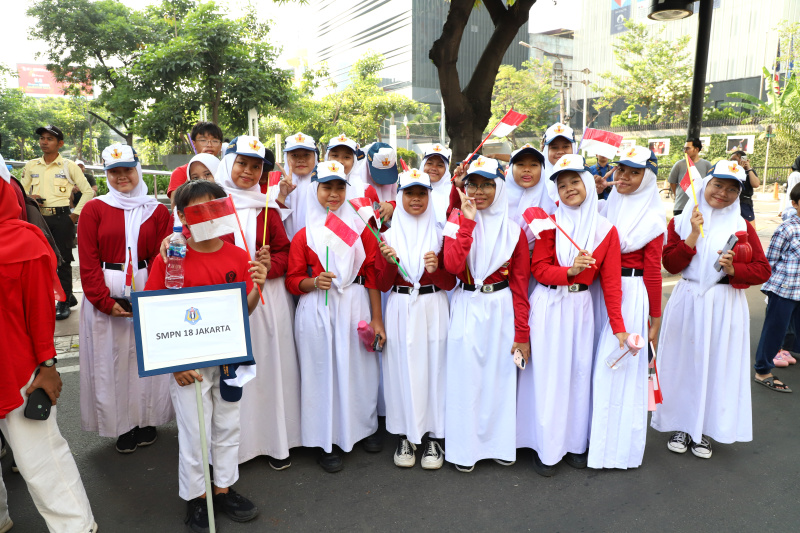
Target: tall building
403 31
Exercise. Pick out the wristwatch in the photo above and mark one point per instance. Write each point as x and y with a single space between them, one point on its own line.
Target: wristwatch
49 363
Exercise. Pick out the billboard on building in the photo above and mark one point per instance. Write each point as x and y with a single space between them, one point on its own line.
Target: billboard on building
37 80
620 12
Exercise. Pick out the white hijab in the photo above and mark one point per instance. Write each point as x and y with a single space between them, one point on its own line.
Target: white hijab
583 223
345 267
440 195
536 196
718 226
248 203
208 160
412 237
552 190
296 201
638 216
138 207
494 238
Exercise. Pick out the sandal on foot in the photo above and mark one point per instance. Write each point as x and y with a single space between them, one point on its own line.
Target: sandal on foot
770 384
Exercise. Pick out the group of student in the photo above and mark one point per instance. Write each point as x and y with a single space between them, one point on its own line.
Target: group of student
457 287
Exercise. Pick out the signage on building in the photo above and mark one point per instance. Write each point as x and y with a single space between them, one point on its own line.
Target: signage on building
620 12
36 79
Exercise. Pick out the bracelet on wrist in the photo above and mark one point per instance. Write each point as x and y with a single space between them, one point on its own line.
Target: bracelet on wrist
315 282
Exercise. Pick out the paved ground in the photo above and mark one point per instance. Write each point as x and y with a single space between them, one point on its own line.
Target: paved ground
743 487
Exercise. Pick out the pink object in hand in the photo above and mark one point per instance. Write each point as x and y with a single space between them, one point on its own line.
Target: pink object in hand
366 334
635 343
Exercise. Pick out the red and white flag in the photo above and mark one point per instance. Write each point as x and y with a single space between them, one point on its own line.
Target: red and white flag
508 123
129 274
538 220
337 235
366 209
692 174
211 219
600 142
274 178
452 224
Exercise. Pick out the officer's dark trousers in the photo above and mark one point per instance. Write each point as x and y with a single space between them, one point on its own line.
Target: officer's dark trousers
63 230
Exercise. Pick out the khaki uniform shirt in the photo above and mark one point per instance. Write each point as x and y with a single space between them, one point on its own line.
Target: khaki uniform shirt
54 182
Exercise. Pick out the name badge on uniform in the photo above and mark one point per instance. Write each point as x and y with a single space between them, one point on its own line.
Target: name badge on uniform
34 175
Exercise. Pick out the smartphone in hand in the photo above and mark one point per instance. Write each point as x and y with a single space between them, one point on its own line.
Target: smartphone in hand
519 360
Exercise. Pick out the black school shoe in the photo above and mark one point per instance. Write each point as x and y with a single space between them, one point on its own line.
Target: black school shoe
126 443
145 436
330 462
373 443
62 310
237 507
197 515
72 301
541 468
576 460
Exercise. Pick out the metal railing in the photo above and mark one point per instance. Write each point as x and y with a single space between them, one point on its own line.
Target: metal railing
683 124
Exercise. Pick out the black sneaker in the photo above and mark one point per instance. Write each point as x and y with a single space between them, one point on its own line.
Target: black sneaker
279 464
679 442
541 468
576 460
126 443
197 515
62 310
373 443
330 462
433 457
145 436
237 507
702 449
72 301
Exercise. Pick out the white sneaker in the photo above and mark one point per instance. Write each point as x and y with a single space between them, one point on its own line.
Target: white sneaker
433 458
464 468
504 463
7 525
404 455
679 442
702 449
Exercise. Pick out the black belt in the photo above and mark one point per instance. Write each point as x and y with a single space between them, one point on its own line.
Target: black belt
425 289
575 287
632 272
121 267
724 281
54 211
361 280
491 287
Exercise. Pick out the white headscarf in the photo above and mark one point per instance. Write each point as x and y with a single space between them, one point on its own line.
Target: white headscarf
296 201
718 226
552 190
494 238
638 216
583 223
208 160
248 203
412 237
357 177
345 267
536 196
440 195
138 207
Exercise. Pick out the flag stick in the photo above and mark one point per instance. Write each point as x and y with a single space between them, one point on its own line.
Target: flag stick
693 192
212 527
483 141
566 235
377 236
246 247
191 143
327 253
133 274
266 212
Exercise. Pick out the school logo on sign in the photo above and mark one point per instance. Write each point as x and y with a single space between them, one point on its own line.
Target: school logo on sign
192 316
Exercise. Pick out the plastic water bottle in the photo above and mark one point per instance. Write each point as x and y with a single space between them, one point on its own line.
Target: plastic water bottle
176 253
618 357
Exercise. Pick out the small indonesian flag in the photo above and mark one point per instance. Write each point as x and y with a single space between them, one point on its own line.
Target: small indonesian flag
538 220
58 291
129 274
452 224
508 123
404 165
366 209
274 178
337 235
692 174
600 142
211 219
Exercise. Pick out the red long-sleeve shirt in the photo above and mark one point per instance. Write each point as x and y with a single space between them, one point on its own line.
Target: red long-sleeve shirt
177 178
548 271
649 260
277 239
516 271
101 239
301 258
677 256
388 274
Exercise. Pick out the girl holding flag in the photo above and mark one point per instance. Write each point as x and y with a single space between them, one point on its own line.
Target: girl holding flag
339 386
271 405
619 396
554 397
704 348
526 188
416 317
435 163
489 255
300 153
120 234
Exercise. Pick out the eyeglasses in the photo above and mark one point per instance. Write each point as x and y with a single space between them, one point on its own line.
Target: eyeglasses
485 187
203 142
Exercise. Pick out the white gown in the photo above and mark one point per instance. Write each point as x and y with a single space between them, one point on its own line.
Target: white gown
619 397
270 404
114 399
339 378
705 370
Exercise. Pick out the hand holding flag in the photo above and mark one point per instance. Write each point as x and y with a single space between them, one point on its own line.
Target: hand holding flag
452 224
538 220
273 179
376 234
688 180
507 124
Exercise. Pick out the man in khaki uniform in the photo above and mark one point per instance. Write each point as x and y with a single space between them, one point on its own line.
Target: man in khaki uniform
49 179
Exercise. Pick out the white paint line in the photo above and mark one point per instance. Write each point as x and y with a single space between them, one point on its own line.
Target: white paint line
68 369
